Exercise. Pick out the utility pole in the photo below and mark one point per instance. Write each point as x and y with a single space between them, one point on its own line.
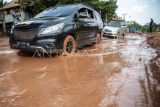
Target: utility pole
3 19
106 17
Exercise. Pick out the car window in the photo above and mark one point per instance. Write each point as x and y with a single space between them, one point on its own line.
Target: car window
124 24
81 11
90 14
114 24
60 11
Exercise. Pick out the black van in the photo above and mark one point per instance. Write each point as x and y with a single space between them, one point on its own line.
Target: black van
64 27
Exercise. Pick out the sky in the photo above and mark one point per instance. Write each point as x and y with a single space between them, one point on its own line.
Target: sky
7 0
140 11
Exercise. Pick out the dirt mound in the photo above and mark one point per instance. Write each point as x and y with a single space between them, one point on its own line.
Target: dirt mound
154 41
154 72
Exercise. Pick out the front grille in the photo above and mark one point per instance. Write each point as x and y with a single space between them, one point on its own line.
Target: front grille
107 33
25 34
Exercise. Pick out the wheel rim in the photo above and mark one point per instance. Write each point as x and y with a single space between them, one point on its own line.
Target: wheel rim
69 47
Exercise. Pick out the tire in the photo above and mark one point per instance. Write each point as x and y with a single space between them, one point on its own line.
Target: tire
98 38
69 45
123 34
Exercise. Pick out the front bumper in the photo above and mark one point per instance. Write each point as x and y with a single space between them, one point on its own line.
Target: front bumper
45 45
109 34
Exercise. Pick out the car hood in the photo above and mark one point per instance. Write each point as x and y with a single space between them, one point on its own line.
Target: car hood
111 28
41 22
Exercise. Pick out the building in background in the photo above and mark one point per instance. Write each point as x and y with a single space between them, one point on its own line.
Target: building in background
117 18
9 9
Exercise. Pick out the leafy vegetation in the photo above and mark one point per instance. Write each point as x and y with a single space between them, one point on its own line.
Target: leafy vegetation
107 7
1 3
144 28
135 26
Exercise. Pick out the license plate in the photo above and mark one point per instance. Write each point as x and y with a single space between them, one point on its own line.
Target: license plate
23 44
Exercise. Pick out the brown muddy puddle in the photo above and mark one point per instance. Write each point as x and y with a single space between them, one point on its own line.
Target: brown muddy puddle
110 75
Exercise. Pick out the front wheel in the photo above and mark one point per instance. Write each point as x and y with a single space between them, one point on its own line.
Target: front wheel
69 45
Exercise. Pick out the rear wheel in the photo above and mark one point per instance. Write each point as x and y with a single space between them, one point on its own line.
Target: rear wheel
69 45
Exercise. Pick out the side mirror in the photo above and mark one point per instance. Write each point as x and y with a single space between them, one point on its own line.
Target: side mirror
123 25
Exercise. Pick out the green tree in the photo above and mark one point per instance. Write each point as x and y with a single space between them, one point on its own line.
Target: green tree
145 28
107 8
1 3
155 27
135 25
3 17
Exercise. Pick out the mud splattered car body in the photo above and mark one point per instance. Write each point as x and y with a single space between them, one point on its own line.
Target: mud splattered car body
49 29
115 29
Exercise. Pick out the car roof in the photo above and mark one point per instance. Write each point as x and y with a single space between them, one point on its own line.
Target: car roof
77 6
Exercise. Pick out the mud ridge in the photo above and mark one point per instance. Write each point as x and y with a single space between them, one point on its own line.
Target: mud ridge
153 70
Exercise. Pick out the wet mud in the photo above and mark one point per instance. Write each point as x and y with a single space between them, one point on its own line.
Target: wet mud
153 70
112 74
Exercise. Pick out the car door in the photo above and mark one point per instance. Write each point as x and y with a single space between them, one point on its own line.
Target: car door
92 27
81 27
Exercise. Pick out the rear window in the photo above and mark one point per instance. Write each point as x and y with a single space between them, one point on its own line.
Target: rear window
60 11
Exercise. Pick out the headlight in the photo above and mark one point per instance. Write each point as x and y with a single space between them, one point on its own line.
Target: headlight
12 29
52 29
114 31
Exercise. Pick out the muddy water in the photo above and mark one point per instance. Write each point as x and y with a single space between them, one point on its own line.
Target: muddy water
111 74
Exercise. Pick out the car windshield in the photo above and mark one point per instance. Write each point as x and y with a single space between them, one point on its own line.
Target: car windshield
114 24
61 11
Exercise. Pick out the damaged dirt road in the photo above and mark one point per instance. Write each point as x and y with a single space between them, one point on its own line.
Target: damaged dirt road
113 74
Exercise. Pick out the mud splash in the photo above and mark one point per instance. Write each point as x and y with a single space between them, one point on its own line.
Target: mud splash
115 78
